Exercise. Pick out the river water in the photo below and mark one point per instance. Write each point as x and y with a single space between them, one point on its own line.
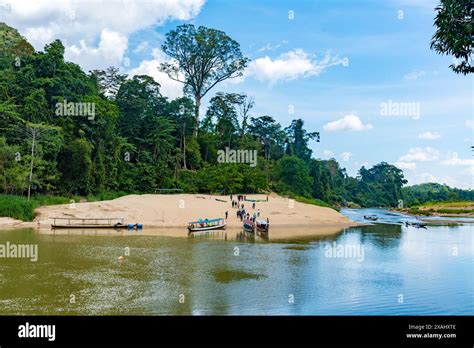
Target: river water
380 269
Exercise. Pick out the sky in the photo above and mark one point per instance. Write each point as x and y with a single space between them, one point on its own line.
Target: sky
359 72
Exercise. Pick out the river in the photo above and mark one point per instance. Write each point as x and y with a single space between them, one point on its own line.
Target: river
385 268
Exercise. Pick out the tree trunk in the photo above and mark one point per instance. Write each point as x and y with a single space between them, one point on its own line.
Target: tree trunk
197 99
31 166
184 146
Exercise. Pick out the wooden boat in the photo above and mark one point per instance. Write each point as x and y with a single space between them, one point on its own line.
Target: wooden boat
206 225
249 226
371 217
262 226
93 223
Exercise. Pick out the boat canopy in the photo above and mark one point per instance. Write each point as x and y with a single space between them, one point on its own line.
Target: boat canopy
261 222
200 221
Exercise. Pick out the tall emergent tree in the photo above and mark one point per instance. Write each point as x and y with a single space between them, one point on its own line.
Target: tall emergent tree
201 58
454 35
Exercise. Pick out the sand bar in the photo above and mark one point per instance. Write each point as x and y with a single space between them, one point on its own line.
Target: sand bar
170 214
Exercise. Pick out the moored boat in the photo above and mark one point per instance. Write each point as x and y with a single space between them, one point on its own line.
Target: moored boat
371 217
206 225
262 226
249 226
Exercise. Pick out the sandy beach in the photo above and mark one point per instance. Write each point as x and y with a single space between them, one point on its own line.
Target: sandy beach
170 214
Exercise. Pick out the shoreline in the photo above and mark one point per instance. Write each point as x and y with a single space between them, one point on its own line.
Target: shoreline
167 214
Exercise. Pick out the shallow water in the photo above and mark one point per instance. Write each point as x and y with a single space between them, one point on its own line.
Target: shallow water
386 269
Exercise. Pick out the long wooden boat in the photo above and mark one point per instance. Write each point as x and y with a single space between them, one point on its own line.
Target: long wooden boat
206 225
93 223
371 217
88 226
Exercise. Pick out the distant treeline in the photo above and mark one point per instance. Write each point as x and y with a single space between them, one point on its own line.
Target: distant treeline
432 192
136 140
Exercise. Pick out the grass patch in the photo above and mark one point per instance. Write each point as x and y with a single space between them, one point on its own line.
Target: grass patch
313 201
233 276
20 208
106 196
450 204
455 211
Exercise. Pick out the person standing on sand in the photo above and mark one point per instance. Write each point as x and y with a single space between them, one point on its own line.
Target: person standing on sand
226 214
253 205
258 212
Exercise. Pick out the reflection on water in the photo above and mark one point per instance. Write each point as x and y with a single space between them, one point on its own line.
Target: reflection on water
79 273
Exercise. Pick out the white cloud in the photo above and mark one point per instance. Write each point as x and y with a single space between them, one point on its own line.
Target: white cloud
454 160
346 156
81 25
414 75
110 51
270 47
142 46
348 122
429 135
169 88
290 66
469 124
417 154
405 165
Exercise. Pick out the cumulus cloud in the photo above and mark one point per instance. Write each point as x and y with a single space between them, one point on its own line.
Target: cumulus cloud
84 26
417 154
109 52
290 66
429 135
414 75
169 88
349 122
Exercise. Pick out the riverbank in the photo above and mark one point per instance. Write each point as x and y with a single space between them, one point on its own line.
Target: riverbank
288 218
458 209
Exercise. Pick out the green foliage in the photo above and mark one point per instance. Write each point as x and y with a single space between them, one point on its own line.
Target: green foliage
454 33
20 208
433 192
293 176
202 57
138 141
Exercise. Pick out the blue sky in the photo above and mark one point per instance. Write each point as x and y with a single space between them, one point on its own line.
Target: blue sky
334 62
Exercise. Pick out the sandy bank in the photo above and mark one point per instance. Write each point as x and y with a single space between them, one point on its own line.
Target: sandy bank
171 213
